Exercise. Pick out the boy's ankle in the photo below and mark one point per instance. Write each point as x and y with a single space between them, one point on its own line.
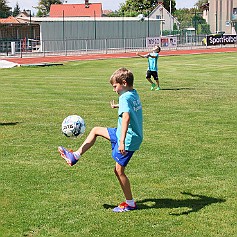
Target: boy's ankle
131 203
77 155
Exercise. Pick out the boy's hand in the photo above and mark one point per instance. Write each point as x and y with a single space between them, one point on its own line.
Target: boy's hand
113 105
121 148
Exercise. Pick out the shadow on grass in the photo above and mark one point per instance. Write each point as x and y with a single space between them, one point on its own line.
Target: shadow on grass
175 89
194 204
9 124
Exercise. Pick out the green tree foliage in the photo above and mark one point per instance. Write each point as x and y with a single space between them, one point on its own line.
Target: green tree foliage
167 5
200 3
44 6
16 10
192 18
184 16
40 13
5 11
200 24
136 7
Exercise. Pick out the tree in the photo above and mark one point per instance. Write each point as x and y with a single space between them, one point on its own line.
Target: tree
200 3
192 18
136 7
184 16
167 5
44 6
200 24
5 11
16 10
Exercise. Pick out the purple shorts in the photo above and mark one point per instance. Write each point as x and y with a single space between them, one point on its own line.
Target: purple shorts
117 156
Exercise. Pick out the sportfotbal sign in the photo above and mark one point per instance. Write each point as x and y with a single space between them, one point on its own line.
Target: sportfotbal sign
221 39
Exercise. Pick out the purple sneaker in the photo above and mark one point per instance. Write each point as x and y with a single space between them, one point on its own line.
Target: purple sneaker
67 156
123 207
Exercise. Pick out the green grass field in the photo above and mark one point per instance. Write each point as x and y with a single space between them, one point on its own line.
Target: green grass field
183 178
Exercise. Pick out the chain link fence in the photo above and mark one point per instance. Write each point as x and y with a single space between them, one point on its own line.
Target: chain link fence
33 48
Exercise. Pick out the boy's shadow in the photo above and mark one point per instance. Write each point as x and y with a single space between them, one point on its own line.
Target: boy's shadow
9 124
175 89
194 204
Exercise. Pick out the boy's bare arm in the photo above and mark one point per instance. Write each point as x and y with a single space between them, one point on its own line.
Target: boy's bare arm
124 128
143 56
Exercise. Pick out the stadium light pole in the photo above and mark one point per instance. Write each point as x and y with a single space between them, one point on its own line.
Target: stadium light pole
122 24
63 27
30 26
95 23
29 43
195 26
170 17
148 24
29 13
216 21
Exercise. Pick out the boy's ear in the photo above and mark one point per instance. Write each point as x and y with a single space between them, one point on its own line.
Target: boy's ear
124 82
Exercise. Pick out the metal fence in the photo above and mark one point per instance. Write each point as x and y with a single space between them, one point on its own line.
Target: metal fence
29 48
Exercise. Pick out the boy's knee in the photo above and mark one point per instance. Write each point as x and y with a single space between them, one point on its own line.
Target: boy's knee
115 171
118 172
95 130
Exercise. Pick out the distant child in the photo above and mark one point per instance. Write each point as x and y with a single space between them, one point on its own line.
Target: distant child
125 139
152 67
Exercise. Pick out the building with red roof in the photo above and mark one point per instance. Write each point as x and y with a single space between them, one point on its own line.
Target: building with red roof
9 20
76 10
14 28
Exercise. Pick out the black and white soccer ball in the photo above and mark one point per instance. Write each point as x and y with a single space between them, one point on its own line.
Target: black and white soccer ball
73 126
141 17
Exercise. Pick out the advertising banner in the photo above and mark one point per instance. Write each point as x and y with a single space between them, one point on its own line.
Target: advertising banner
152 41
221 39
164 41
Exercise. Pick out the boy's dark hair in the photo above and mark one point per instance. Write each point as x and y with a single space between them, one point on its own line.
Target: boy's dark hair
122 74
157 48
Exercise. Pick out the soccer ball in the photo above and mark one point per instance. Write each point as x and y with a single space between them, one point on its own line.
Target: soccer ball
141 17
73 126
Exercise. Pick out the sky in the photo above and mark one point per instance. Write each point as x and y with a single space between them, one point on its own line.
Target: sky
106 4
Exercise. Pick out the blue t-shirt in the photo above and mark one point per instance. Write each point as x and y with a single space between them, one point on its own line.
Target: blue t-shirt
152 62
130 102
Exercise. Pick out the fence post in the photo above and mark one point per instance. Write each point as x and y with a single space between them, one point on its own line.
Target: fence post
20 49
65 46
106 48
124 45
43 44
86 46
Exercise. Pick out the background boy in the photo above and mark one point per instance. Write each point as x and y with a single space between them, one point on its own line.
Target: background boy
152 67
125 139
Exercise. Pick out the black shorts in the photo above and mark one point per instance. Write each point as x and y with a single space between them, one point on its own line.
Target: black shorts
154 74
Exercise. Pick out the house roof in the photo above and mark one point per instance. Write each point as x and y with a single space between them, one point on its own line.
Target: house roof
9 20
76 10
23 14
159 7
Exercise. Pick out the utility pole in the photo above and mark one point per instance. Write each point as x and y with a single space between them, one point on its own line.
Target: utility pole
216 22
170 17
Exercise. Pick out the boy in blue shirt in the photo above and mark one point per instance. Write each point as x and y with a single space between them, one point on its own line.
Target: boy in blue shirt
125 139
152 67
